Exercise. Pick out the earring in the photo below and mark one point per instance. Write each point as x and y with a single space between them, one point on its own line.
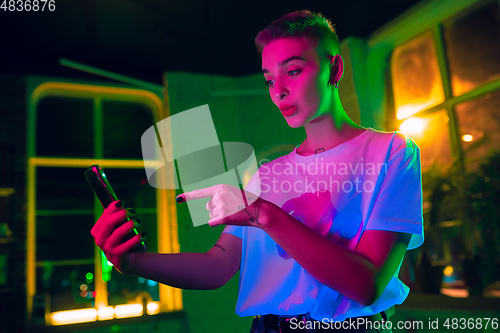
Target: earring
335 84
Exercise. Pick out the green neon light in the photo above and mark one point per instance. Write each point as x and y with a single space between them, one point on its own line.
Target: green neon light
106 268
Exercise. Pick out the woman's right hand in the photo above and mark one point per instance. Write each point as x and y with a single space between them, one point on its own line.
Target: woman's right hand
109 237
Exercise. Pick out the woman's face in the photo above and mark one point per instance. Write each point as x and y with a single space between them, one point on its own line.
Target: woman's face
298 79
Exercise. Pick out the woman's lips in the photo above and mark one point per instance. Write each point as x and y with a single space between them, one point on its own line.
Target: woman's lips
289 112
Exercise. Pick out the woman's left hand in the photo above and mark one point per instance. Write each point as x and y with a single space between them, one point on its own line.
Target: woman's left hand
230 205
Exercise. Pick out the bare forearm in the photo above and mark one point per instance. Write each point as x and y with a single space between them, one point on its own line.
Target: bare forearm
342 269
180 270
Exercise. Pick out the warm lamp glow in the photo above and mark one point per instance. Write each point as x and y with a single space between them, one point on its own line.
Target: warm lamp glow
106 313
416 78
409 110
73 316
153 308
128 310
459 293
448 271
413 126
467 138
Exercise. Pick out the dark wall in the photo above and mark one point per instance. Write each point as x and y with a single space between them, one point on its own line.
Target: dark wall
13 207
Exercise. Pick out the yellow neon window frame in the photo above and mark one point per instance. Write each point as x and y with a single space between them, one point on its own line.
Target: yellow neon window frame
170 298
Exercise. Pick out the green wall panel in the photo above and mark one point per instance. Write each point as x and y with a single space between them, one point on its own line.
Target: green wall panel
242 111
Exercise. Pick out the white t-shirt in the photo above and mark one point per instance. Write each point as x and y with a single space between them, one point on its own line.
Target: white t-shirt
370 182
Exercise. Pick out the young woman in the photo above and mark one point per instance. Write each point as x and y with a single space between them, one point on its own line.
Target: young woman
321 245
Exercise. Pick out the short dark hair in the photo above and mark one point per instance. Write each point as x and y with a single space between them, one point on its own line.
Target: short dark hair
301 23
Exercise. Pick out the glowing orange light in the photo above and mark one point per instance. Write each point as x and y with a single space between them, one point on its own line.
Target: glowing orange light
73 316
416 82
153 308
467 138
83 287
448 271
83 293
128 310
458 293
413 126
106 313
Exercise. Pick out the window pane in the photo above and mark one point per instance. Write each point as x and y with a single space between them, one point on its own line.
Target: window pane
68 286
124 124
65 127
415 76
63 189
473 48
65 237
479 127
131 186
125 288
431 134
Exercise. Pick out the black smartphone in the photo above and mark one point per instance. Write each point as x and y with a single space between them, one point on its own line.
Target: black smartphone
102 188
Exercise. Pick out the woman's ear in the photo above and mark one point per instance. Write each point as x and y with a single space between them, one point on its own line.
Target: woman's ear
337 71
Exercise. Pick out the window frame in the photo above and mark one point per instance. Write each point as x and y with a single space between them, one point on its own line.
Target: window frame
168 242
449 103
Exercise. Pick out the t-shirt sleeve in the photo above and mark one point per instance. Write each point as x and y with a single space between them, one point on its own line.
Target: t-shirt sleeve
234 230
398 205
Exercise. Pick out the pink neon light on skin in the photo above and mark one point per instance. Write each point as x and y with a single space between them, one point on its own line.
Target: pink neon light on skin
301 77
297 76
287 109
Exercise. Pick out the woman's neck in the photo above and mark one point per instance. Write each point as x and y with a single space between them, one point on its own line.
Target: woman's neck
324 133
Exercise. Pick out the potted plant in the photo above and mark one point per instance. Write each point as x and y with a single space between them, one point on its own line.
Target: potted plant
483 194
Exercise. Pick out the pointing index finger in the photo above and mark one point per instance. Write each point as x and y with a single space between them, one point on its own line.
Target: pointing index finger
198 194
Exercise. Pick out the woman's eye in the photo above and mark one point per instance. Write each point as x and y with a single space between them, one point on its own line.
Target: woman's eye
293 72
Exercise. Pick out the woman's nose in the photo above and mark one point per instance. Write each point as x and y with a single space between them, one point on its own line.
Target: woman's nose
280 91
